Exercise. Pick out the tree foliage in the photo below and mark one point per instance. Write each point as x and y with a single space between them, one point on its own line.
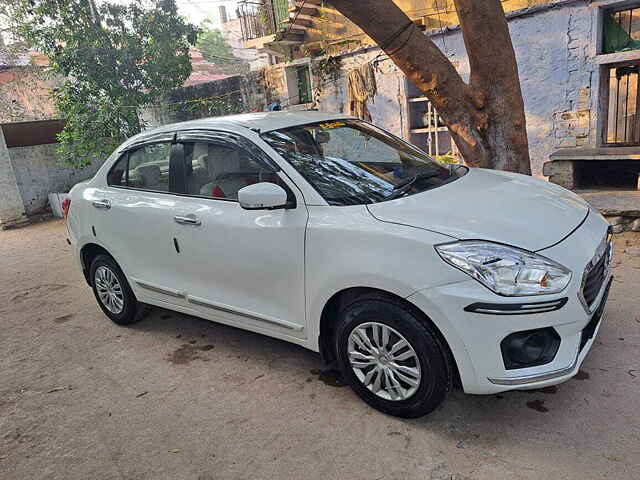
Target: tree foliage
10 46
114 58
215 49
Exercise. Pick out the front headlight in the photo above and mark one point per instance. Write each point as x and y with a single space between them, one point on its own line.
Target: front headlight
506 270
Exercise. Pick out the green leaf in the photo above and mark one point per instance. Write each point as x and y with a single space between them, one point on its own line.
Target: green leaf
115 58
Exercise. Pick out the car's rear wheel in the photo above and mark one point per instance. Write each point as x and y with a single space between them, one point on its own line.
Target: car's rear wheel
391 357
113 293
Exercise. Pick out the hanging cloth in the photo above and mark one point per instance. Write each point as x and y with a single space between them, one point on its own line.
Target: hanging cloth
616 38
361 88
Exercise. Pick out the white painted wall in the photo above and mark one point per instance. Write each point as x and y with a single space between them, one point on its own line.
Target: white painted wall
11 205
29 174
38 173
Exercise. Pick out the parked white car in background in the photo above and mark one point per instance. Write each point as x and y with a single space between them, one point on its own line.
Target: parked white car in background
325 231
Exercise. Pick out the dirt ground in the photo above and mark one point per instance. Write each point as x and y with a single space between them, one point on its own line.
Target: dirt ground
176 397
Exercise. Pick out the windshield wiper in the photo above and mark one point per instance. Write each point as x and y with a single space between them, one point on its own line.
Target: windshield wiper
409 181
403 187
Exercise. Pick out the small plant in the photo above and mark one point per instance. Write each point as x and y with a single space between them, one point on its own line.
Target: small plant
326 70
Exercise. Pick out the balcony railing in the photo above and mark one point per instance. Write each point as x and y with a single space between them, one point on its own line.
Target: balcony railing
262 18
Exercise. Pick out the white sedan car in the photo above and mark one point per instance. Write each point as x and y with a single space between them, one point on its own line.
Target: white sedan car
328 232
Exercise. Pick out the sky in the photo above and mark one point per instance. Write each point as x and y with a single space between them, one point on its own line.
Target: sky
198 10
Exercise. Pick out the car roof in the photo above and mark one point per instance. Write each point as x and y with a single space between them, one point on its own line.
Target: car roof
259 121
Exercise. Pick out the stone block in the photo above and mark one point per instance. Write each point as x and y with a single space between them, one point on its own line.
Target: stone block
567 142
583 98
619 228
633 251
583 120
561 172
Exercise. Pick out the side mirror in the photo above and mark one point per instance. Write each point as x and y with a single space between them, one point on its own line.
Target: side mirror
262 196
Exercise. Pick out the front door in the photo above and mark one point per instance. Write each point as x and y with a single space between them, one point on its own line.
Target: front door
242 267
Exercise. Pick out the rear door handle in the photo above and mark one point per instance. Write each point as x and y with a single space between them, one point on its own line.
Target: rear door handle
102 204
190 219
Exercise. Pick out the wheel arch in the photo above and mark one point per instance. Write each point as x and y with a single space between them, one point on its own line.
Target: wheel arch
329 320
88 252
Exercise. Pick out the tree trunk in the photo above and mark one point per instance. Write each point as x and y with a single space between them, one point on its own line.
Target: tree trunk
486 115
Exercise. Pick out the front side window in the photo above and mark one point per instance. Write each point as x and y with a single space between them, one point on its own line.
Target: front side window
146 168
220 171
350 162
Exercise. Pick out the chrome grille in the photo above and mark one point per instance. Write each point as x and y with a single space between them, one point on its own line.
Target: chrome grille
596 273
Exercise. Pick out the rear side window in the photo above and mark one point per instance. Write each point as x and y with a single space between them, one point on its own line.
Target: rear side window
146 168
221 170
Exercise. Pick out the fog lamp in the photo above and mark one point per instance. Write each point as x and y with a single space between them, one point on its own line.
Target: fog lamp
529 348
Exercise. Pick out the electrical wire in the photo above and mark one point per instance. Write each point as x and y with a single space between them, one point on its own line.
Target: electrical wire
444 43
295 18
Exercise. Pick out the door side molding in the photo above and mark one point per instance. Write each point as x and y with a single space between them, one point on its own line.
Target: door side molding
160 289
207 304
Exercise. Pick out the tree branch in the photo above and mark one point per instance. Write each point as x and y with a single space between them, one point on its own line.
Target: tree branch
428 68
486 38
408 48
486 116
494 72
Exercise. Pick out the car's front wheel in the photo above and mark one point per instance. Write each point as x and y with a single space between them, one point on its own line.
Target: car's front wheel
391 357
113 293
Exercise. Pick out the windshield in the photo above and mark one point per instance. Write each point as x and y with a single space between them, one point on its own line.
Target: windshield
350 162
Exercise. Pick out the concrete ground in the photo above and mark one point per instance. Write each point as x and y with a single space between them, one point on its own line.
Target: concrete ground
176 397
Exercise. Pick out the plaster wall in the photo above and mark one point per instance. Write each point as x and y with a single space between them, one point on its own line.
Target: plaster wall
11 205
38 173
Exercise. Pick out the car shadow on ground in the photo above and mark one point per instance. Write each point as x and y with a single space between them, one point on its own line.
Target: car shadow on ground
463 418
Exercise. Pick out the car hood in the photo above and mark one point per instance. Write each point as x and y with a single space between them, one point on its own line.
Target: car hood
503 207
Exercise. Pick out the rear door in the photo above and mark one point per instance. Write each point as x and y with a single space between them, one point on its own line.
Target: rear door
133 218
243 267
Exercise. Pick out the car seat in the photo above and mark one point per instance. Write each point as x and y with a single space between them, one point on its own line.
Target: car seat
149 176
225 173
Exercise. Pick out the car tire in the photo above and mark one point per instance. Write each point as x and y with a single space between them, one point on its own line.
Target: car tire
419 375
113 293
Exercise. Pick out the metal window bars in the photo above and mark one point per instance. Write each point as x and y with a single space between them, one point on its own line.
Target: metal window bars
262 18
623 119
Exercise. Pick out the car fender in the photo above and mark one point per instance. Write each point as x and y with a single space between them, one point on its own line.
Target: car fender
398 259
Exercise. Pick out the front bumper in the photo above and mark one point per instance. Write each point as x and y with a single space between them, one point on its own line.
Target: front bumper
586 340
474 338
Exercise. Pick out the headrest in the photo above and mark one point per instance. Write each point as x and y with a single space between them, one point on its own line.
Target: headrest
150 174
221 160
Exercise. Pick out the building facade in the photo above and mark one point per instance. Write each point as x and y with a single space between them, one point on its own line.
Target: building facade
25 88
578 62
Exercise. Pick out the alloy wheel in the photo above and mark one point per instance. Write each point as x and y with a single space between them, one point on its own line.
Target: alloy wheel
384 361
109 290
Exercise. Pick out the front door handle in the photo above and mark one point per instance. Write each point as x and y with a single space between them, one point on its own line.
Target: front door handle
190 219
102 204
